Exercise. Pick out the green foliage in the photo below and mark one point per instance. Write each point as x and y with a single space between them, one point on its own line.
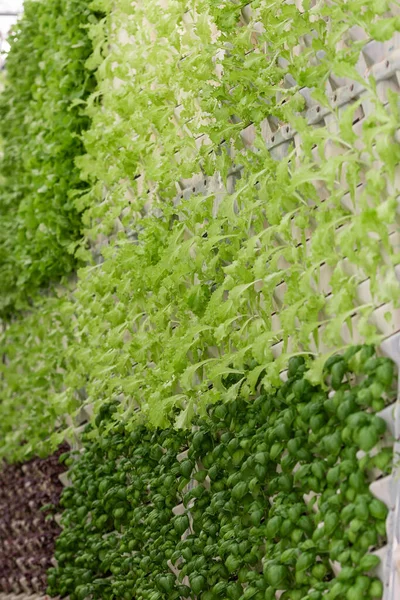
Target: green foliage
111 484
32 375
143 520
41 120
188 290
187 285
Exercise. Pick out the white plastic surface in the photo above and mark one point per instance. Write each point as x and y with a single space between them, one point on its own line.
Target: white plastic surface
388 489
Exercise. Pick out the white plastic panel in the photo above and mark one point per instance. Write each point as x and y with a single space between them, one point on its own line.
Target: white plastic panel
388 488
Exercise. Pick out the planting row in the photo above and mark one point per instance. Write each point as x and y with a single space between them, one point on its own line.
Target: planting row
261 496
48 80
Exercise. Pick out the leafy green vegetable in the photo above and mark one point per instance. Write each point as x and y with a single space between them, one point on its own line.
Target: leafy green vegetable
186 285
135 524
187 294
41 120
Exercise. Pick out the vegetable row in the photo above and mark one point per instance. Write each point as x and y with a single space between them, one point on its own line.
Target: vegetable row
262 495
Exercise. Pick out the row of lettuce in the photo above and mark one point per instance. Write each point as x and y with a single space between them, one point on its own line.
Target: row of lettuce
48 81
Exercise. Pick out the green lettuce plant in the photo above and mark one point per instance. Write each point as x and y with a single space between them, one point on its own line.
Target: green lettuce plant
187 286
41 122
33 370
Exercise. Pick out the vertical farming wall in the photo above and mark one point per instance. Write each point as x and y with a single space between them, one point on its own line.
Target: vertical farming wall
239 202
